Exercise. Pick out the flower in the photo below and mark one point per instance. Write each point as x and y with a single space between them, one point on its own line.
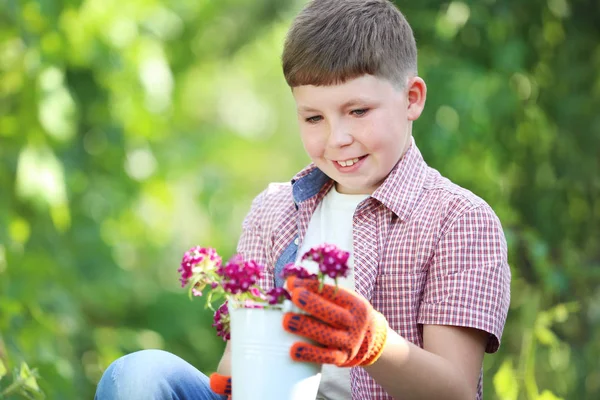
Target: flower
221 321
198 266
332 261
298 271
277 295
202 267
238 275
204 258
257 293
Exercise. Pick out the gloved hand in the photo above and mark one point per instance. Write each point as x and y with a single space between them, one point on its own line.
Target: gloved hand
351 332
221 384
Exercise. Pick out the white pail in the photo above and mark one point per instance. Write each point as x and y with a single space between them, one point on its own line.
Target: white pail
261 366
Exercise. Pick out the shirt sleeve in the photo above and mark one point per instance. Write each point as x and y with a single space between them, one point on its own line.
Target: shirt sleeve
468 283
252 244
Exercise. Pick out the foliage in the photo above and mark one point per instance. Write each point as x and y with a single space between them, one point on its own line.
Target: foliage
130 131
24 383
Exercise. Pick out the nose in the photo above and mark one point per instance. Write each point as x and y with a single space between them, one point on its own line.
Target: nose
339 136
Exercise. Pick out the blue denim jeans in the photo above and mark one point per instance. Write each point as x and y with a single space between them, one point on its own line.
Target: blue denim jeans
153 375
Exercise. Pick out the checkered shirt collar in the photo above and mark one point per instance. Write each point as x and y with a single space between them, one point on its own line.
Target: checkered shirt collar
398 192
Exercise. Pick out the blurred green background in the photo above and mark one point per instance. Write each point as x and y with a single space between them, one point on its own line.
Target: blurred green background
133 130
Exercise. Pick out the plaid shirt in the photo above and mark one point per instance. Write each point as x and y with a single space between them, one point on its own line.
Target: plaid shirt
426 251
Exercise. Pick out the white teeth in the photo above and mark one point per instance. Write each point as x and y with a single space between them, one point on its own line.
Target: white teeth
348 163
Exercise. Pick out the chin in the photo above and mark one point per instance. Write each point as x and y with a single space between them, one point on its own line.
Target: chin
353 189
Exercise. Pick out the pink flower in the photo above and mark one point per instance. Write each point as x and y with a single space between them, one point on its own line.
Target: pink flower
332 261
257 293
277 295
239 275
202 267
198 260
296 270
221 322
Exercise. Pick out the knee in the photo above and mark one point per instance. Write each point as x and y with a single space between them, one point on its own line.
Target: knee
146 374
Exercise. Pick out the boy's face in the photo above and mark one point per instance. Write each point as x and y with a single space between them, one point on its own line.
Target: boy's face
357 131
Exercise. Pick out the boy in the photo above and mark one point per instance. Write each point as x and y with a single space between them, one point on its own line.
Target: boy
429 267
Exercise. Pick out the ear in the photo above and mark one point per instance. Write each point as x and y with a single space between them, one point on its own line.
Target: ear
417 93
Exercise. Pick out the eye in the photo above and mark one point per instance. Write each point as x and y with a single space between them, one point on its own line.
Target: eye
313 120
359 112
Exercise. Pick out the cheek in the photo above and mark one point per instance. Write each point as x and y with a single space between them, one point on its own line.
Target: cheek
372 135
313 144
384 136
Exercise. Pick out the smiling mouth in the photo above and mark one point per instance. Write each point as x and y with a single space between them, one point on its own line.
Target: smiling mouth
350 162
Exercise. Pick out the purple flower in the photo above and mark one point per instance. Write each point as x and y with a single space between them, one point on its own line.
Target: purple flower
332 261
221 322
239 275
277 295
198 261
296 270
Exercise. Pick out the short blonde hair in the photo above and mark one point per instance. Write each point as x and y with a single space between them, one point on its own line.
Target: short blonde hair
331 41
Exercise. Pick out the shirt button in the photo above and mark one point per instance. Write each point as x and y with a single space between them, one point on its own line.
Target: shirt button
296 241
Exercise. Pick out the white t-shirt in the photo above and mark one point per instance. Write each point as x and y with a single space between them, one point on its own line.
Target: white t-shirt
332 223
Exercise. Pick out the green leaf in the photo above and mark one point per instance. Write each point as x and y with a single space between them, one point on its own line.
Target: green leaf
548 395
3 370
28 377
545 336
505 382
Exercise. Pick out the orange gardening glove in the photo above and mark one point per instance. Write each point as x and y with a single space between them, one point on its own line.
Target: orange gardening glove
221 384
345 325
